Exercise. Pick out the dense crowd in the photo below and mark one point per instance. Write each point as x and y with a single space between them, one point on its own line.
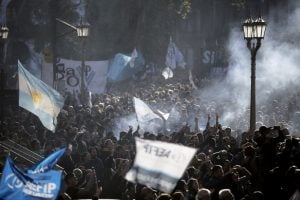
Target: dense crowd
229 164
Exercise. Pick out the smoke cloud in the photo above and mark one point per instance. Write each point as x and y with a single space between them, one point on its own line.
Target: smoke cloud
277 74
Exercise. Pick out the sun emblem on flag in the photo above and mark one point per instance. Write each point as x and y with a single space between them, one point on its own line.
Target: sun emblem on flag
36 97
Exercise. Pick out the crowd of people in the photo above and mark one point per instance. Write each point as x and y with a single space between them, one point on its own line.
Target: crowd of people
229 164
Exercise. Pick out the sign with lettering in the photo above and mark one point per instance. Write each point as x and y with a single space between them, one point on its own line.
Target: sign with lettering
68 75
159 164
16 184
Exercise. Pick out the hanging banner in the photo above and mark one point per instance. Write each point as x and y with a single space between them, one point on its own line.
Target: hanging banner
68 75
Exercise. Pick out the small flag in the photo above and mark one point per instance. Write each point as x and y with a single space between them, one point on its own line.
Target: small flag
134 55
174 57
48 163
39 98
16 184
167 73
191 80
159 164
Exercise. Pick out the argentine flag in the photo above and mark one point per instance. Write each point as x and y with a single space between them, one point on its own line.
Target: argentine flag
39 98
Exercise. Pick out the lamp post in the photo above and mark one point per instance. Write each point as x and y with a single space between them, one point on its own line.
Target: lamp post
3 35
254 31
82 30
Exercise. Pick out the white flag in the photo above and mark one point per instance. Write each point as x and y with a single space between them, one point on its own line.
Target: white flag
167 73
143 112
134 55
191 80
159 164
170 57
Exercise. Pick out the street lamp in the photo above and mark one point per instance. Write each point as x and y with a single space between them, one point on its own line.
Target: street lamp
4 32
82 30
254 31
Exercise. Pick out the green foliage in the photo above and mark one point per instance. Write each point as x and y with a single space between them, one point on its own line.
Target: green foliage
238 4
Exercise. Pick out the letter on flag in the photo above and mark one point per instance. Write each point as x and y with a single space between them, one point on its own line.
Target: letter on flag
16 184
39 98
159 164
48 163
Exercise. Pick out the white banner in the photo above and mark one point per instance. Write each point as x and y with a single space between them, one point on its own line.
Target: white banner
68 75
159 164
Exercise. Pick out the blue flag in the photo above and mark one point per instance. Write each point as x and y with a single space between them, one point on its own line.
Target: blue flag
39 98
48 163
123 67
16 184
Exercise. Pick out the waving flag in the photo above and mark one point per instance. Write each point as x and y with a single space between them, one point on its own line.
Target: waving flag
48 163
143 111
134 55
16 184
159 164
174 57
167 73
39 98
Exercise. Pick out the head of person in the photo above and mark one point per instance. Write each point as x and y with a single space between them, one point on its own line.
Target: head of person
217 171
203 194
164 196
177 196
226 194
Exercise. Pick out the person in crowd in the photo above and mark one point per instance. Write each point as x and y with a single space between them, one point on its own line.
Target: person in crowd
203 194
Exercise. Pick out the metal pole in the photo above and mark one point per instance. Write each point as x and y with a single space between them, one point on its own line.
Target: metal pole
82 85
253 49
2 77
54 36
253 95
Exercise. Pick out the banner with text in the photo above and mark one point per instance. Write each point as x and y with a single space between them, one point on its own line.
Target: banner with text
68 75
16 184
159 164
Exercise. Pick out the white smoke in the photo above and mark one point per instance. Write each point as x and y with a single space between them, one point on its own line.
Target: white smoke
277 74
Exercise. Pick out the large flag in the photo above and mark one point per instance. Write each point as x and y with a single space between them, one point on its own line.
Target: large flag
39 98
174 57
16 184
48 163
159 164
143 112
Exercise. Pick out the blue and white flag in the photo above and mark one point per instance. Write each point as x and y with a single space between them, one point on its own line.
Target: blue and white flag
143 112
48 163
39 98
174 57
16 184
159 164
